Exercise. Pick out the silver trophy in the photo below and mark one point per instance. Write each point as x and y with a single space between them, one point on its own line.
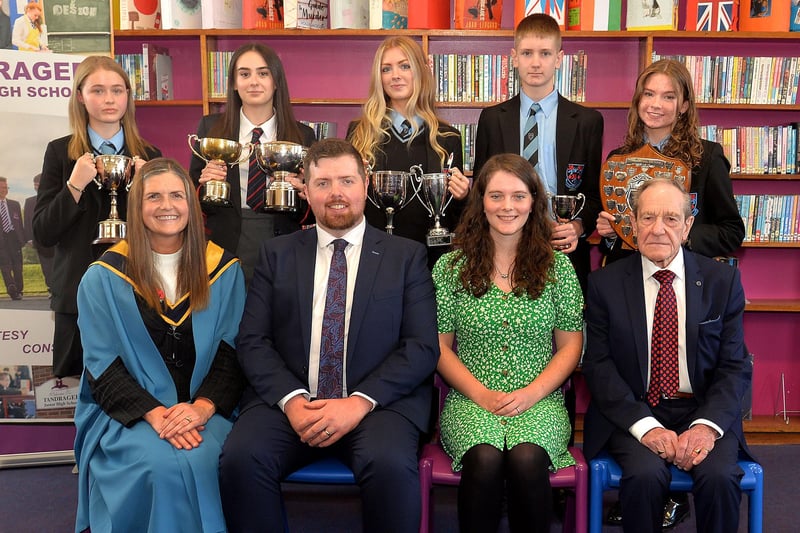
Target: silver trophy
389 192
279 160
565 207
113 172
223 151
435 198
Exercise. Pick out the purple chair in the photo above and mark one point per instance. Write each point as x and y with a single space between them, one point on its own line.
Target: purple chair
434 468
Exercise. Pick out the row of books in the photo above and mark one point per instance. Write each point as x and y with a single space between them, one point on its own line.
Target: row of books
770 217
322 130
586 15
492 77
742 80
218 64
758 149
150 72
467 132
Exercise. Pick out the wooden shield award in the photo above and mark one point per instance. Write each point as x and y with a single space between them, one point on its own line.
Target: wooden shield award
622 174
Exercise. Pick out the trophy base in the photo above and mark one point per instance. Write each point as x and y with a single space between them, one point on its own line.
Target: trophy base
439 240
280 197
222 202
110 232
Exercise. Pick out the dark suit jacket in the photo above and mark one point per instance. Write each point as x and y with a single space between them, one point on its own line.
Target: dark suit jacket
616 360
392 344
224 223
5 31
58 221
579 155
17 237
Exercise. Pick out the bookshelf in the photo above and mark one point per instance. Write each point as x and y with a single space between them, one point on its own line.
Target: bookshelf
328 73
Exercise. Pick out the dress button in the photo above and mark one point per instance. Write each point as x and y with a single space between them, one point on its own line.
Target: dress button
505 297
504 422
505 323
504 347
504 372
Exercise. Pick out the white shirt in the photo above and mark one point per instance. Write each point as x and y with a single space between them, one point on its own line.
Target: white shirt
246 127
167 267
651 286
322 266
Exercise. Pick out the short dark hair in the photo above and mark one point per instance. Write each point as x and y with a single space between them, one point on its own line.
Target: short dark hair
333 147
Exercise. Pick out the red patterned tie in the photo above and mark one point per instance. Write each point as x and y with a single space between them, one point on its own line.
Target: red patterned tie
664 378
257 179
331 348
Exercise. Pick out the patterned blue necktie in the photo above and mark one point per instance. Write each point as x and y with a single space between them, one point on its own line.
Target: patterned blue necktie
331 348
530 150
256 178
107 148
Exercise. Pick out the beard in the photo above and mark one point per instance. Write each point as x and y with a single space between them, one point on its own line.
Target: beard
339 220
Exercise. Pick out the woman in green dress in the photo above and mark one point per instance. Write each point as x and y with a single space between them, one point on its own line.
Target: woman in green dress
513 307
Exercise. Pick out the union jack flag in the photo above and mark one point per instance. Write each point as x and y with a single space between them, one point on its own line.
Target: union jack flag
715 15
554 8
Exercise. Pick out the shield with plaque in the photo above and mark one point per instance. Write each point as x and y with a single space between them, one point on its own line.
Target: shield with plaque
622 174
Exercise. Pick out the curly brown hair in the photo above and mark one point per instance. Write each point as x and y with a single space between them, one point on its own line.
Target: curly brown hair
684 142
474 244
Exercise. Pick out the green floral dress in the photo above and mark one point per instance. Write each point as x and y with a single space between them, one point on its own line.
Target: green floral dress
506 341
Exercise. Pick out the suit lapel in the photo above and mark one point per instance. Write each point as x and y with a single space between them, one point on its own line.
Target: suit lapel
634 302
566 126
372 251
306 258
509 125
694 297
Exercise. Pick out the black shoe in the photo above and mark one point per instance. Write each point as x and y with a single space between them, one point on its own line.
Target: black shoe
16 296
675 512
614 516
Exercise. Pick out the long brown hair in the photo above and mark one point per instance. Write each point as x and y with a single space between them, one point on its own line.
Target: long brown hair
535 257
79 118
372 128
287 129
684 142
192 269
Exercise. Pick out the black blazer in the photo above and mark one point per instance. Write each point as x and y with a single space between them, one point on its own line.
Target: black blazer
392 342
224 223
17 236
616 360
579 155
58 221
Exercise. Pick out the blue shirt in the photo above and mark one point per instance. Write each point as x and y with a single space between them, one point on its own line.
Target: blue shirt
118 140
547 135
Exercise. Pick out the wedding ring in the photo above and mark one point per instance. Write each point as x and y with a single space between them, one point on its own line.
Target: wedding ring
661 452
188 419
517 408
328 433
698 450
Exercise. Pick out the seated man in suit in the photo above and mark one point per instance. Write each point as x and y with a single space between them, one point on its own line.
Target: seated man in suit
667 367
339 345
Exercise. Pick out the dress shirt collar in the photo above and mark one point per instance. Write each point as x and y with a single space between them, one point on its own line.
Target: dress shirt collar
677 266
118 140
548 103
353 237
270 128
397 123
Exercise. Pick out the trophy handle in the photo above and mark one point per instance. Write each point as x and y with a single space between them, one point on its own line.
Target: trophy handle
96 179
450 196
416 176
371 188
246 147
582 198
191 139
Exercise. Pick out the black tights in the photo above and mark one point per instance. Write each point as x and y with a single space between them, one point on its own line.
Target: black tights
487 472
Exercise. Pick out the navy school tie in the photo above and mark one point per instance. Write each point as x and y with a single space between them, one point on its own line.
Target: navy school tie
256 178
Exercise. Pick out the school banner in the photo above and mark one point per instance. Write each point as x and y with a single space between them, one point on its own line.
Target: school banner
34 93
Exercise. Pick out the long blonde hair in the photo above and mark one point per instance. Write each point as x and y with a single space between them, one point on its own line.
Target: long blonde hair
192 269
372 128
79 118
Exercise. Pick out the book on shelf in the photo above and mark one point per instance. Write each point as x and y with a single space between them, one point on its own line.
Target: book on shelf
181 15
305 14
388 14
163 68
555 8
349 14
262 14
712 15
218 65
652 15
149 79
140 15
322 130
764 15
478 14
594 15
794 16
428 15
221 14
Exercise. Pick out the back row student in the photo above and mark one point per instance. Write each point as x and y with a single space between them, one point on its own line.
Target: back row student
570 136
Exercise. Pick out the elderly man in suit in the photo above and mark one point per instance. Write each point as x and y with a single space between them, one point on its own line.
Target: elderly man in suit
667 367
339 344
12 239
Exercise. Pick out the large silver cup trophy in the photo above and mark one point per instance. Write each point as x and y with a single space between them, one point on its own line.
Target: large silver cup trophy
113 172
435 198
280 159
565 207
389 192
222 151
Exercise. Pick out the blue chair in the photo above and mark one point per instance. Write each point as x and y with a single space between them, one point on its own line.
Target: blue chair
605 474
327 471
